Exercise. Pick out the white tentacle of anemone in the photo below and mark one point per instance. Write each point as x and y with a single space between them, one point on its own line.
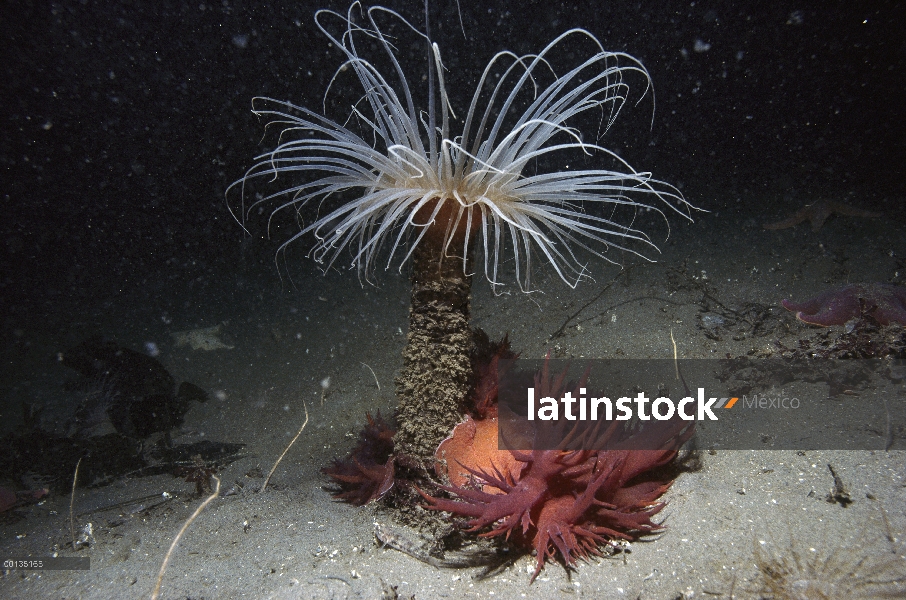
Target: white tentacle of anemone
493 170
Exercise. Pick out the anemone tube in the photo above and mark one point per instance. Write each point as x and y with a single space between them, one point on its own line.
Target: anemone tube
432 196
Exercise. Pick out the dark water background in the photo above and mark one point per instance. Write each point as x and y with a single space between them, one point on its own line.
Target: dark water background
124 122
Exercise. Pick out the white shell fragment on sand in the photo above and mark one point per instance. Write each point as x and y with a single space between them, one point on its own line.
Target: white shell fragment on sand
207 338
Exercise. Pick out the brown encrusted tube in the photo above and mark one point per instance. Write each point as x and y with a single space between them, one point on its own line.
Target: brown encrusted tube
436 376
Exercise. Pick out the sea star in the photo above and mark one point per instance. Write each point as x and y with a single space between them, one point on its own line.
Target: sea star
882 302
817 213
207 338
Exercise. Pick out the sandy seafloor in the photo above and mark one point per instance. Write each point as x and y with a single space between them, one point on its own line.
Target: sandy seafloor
295 541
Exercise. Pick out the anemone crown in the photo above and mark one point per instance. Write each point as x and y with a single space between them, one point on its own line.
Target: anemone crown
493 180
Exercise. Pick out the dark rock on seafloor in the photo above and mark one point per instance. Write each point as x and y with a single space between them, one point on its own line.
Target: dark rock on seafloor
132 390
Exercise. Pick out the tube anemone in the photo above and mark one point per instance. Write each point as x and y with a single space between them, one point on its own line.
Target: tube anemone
393 181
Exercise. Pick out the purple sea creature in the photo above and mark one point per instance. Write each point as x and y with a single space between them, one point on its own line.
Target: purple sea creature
881 302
